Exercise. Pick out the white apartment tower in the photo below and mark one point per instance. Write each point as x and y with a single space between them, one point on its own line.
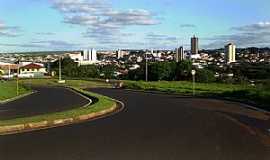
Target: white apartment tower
230 50
180 55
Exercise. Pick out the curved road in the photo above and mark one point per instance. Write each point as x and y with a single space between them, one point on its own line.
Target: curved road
45 100
151 127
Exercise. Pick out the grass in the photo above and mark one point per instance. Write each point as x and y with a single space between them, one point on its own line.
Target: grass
259 96
102 103
8 89
73 83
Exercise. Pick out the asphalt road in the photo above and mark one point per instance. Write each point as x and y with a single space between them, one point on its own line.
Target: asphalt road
45 100
151 127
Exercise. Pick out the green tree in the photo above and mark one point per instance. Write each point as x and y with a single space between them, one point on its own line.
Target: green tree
205 76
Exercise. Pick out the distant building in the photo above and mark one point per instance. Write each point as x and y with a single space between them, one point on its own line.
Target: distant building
230 50
194 45
32 70
180 55
85 57
119 54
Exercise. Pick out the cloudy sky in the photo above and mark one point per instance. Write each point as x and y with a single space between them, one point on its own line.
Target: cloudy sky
38 25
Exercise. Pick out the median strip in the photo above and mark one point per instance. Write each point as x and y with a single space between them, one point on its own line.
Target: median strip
105 106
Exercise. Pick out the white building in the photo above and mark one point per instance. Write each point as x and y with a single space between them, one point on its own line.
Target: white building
119 54
230 51
180 54
86 57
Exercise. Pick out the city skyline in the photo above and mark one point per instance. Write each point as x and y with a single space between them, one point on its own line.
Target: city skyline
40 25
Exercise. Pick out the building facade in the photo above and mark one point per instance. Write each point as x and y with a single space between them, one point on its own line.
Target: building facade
85 57
195 45
230 51
180 55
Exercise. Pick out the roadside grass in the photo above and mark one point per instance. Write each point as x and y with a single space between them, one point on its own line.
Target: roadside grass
103 103
8 89
259 96
73 83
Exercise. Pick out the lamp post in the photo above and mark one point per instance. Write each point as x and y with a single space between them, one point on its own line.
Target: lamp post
60 72
193 72
146 66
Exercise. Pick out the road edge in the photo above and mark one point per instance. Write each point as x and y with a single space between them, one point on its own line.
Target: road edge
17 97
117 107
245 104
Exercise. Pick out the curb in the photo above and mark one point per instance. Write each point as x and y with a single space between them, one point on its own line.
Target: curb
33 126
80 94
17 97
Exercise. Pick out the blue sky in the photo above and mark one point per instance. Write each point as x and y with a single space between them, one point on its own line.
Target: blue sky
38 25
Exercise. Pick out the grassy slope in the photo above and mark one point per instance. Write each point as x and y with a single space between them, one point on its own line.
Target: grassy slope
73 83
258 95
9 90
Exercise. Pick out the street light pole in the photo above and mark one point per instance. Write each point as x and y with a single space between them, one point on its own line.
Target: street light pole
60 74
146 67
193 72
18 72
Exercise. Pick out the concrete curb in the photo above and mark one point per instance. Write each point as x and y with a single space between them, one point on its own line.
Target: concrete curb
117 107
17 97
78 93
33 126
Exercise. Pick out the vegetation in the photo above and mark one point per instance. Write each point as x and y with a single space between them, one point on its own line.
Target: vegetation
71 69
257 95
72 83
8 89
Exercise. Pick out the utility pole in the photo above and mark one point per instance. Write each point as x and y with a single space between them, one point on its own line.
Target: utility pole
60 71
18 72
193 72
146 66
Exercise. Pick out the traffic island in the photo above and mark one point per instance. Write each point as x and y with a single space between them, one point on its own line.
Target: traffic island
101 107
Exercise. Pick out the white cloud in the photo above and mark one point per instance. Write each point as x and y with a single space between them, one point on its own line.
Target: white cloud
101 20
9 31
261 26
257 35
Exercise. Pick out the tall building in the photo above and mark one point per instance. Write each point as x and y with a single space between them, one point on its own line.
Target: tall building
119 54
230 50
93 55
180 55
195 45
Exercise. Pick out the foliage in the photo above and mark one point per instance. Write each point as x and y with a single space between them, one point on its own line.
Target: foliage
8 89
205 76
259 95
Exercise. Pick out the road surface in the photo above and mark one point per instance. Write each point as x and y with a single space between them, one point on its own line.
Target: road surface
151 127
45 100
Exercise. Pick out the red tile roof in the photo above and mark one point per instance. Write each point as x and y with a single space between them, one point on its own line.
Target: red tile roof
32 66
6 67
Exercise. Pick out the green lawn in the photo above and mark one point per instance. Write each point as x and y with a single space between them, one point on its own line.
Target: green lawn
259 95
8 89
73 83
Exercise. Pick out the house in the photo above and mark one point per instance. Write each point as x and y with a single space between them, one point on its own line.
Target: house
8 70
32 70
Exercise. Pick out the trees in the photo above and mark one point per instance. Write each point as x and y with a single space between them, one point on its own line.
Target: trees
205 76
71 69
183 70
108 71
162 71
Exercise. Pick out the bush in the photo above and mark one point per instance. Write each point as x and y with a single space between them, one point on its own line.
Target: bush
205 76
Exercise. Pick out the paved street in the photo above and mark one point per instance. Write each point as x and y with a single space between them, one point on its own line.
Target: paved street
151 127
45 100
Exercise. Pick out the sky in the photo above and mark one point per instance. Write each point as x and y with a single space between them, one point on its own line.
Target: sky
47 25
